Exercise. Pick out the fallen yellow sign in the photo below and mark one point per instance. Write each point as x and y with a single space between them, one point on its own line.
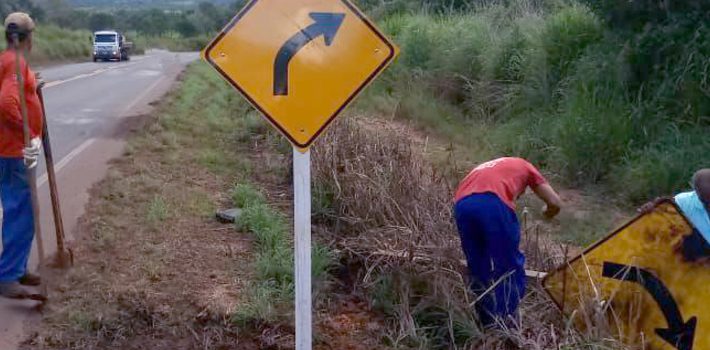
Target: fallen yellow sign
300 62
650 279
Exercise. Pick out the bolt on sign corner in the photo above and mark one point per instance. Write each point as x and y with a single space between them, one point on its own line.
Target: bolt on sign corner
650 278
300 62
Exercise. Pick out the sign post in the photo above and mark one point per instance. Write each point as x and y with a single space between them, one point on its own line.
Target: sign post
302 246
300 63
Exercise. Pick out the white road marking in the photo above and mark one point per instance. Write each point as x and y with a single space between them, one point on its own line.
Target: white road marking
142 95
68 158
52 84
76 151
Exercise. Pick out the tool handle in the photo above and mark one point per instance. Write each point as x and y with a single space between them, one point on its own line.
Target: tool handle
31 173
52 180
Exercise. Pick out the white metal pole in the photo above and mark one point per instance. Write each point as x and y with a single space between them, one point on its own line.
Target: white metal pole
302 246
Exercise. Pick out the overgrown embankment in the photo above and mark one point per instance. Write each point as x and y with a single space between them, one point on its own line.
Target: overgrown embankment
155 270
387 210
52 44
616 95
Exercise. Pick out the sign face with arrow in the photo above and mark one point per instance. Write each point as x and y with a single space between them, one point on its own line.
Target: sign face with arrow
300 62
651 279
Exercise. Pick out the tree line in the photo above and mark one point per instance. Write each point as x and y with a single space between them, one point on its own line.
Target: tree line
206 17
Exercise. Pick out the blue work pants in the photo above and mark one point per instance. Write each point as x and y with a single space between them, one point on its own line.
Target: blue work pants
17 219
490 238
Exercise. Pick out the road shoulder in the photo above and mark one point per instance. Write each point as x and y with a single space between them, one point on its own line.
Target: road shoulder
153 268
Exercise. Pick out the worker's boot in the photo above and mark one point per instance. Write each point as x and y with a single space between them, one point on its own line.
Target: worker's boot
30 280
13 290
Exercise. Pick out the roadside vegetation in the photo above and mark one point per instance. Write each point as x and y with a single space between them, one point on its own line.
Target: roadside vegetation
156 270
269 297
53 44
613 96
581 90
64 31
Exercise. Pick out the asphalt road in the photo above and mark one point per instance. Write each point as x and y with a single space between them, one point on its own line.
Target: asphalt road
88 107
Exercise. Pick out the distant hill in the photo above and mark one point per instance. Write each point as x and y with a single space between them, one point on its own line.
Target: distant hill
132 4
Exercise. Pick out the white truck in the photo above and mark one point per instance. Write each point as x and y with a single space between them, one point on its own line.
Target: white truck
111 45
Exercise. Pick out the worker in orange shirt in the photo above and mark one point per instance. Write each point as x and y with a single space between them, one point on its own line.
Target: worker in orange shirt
15 158
490 232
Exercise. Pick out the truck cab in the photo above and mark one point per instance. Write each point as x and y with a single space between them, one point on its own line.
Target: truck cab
110 45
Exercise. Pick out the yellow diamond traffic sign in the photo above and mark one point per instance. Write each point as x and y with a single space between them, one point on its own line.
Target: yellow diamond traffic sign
651 279
300 62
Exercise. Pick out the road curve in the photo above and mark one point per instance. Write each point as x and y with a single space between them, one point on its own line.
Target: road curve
88 107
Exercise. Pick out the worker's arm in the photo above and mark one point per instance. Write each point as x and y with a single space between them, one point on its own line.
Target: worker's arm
552 200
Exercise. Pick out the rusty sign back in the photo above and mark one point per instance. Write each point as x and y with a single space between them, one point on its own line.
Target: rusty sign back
650 278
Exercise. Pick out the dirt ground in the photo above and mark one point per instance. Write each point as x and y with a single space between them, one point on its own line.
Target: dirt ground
153 269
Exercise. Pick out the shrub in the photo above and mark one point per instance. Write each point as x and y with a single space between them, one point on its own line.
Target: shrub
567 34
593 130
664 167
548 81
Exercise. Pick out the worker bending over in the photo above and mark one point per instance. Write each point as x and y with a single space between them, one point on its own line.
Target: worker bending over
490 231
18 223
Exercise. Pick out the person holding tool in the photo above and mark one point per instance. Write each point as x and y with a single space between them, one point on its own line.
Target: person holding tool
490 232
19 105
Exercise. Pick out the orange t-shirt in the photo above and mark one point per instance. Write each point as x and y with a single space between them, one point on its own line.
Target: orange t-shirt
11 134
505 177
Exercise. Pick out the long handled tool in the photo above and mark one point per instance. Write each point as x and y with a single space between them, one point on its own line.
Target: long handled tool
31 173
65 257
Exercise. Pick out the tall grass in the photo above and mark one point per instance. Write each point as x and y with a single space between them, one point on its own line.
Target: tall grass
552 82
391 218
52 43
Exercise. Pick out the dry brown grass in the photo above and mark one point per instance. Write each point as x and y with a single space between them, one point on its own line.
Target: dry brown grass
391 216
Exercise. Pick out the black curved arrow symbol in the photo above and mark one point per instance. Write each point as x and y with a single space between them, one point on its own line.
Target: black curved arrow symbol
679 334
326 24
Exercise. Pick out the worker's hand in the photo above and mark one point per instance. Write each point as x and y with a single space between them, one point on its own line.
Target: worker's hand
31 153
648 207
39 80
549 212
553 202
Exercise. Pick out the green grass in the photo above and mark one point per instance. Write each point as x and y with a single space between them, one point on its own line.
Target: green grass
228 120
54 44
174 42
271 293
158 210
625 112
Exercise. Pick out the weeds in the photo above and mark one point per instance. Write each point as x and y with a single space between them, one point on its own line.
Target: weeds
245 195
391 215
157 210
553 82
270 295
52 44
